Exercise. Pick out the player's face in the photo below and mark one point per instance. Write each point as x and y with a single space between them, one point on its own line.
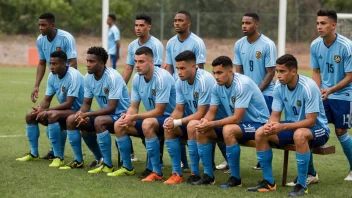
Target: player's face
141 28
284 74
45 26
325 26
181 23
94 64
185 69
222 74
249 26
57 66
109 21
142 63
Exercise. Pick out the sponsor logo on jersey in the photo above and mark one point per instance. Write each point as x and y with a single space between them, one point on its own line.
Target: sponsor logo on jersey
196 95
106 90
299 103
63 89
258 54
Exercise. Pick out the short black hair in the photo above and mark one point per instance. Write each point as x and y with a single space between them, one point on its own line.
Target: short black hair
225 61
144 50
112 16
187 56
48 16
331 14
288 60
144 17
99 52
188 15
59 54
253 15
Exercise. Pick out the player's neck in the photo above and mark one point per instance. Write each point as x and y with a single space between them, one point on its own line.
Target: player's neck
184 35
51 35
63 73
191 79
253 38
329 39
99 74
143 39
148 76
292 85
229 83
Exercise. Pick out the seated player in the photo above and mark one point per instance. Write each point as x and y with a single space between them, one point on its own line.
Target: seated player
155 87
305 124
68 86
193 92
108 88
237 110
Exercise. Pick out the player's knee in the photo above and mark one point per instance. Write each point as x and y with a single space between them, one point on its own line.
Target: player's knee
52 117
30 118
340 132
259 134
191 126
299 136
117 127
148 126
228 131
70 122
100 123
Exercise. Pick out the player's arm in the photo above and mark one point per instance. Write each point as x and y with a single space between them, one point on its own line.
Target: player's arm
110 109
157 112
45 104
118 50
316 77
87 103
39 77
133 109
311 119
235 119
210 115
200 65
270 73
201 111
342 84
239 69
73 62
169 68
178 112
127 72
66 105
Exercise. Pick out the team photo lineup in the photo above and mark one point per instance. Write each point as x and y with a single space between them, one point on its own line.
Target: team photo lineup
253 96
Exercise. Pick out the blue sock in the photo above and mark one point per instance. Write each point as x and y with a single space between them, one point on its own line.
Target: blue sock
124 144
206 155
174 148
55 138
194 156
153 149
91 141
233 155
63 141
32 131
74 137
265 158
222 147
104 140
346 143
302 167
311 169
184 156
47 134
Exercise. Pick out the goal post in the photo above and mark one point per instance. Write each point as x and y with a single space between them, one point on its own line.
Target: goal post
344 24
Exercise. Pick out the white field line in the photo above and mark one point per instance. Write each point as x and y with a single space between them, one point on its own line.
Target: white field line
11 136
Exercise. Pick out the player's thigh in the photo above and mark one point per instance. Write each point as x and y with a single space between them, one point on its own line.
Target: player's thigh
59 115
248 130
215 134
232 130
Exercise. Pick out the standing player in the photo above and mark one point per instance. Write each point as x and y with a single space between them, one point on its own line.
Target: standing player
113 40
193 93
50 40
332 71
110 91
184 40
142 27
156 89
305 124
245 111
67 84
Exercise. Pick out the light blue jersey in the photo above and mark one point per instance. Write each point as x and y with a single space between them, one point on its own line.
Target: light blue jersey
72 84
153 43
63 41
113 36
110 86
243 93
304 99
255 58
333 63
197 94
193 43
159 90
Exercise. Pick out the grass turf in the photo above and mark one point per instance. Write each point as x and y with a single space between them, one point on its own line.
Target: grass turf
37 179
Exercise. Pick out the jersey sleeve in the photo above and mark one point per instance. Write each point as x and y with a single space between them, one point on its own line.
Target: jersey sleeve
270 55
278 103
347 60
180 99
313 58
87 89
135 97
243 96
168 58
116 34
50 89
237 57
215 98
70 47
130 55
75 84
201 52
313 99
163 90
158 54
205 94
40 50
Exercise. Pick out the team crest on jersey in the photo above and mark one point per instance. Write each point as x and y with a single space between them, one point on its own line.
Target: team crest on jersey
299 103
63 89
153 92
106 90
58 48
337 58
196 95
258 54
233 99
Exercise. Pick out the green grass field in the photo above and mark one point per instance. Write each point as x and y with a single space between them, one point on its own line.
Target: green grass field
36 179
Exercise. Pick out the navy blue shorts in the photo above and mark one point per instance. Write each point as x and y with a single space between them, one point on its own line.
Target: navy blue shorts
160 120
269 102
248 131
320 134
338 112
113 60
184 132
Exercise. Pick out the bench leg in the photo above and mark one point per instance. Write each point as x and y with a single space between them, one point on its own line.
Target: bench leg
284 172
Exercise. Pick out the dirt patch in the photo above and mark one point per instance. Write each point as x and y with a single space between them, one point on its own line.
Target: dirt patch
14 49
